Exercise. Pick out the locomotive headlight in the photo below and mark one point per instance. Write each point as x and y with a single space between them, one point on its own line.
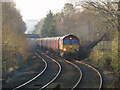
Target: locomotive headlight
70 38
76 49
64 49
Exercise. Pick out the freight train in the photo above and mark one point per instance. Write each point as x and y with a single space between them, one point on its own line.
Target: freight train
64 45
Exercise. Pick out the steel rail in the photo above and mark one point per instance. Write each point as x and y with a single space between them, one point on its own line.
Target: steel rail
35 76
94 70
56 74
80 71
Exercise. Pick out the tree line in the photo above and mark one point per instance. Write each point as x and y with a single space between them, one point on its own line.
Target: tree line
88 21
14 42
85 24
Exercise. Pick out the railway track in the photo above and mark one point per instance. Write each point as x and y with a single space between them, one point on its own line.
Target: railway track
25 74
29 81
96 78
39 82
70 76
59 71
91 78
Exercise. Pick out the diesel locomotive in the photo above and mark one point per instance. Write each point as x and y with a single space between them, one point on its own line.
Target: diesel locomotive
64 45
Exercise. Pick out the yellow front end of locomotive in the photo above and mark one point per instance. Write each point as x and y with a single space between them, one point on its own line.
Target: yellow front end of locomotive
70 48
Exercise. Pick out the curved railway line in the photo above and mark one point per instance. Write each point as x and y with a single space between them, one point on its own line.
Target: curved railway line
79 72
73 74
93 68
87 69
26 74
33 80
56 74
71 65
20 86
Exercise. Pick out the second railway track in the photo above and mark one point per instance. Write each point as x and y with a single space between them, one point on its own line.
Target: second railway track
70 76
91 78
23 76
42 80
29 81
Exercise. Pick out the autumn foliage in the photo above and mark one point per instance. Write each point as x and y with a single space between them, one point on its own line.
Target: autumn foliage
13 39
89 23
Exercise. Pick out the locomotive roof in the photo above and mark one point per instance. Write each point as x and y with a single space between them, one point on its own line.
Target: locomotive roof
68 36
50 38
61 37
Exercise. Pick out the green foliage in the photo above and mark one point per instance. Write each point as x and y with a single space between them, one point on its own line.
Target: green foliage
68 9
109 11
108 57
90 24
115 59
48 28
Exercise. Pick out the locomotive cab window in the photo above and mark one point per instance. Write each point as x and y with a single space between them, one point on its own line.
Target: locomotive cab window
66 42
74 42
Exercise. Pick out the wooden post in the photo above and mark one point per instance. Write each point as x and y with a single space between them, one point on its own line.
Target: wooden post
5 68
19 61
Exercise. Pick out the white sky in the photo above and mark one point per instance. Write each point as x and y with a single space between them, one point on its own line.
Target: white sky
37 9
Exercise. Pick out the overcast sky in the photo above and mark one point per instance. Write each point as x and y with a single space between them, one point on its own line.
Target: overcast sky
37 9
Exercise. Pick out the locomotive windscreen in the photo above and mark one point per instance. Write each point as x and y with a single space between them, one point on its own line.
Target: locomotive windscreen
66 42
74 42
